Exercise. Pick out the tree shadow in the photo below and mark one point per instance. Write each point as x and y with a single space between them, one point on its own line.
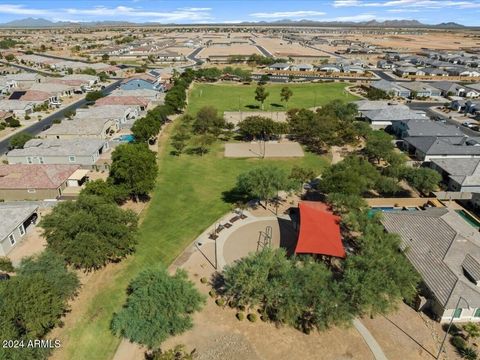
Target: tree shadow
234 196
275 105
251 107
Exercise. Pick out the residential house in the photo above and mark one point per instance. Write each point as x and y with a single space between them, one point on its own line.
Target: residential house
6 85
279 66
421 89
385 64
434 72
35 97
141 84
458 104
472 90
408 71
472 107
425 127
302 67
448 88
460 71
94 128
83 152
17 220
120 114
123 100
17 107
461 175
150 95
391 88
445 251
382 118
34 182
427 148
25 80
329 68
353 69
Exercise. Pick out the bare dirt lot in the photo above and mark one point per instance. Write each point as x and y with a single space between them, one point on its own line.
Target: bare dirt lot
268 150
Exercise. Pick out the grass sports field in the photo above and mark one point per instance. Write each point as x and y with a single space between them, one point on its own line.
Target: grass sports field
234 97
187 199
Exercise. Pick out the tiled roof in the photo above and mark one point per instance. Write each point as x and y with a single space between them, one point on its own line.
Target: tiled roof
436 242
35 176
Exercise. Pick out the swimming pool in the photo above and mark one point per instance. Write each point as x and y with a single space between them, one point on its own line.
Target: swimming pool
125 138
468 218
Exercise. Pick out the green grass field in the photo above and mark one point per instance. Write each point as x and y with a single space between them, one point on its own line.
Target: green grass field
234 97
187 199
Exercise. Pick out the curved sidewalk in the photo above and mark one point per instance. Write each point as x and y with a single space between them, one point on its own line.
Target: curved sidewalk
370 340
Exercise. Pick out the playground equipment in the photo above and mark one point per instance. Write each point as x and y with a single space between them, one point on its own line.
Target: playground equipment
264 238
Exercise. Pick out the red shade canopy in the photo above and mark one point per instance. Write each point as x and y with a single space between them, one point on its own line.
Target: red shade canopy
319 231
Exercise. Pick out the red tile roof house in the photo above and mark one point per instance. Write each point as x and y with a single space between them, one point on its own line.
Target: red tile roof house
34 182
38 97
123 100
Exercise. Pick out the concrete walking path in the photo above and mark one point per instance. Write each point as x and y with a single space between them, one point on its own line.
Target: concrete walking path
370 340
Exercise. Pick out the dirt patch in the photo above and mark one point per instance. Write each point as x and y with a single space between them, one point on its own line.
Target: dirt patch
264 149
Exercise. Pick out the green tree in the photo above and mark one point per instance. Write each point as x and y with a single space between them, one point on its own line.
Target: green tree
202 142
53 267
423 179
90 232
94 96
376 94
145 129
134 166
158 306
10 57
302 174
264 182
18 140
179 140
261 94
378 276
379 146
106 190
207 120
105 57
260 127
285 94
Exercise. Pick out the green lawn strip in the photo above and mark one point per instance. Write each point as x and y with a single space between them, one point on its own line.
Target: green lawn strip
187 199
234 97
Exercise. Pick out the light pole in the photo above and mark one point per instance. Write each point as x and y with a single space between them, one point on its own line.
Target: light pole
450 325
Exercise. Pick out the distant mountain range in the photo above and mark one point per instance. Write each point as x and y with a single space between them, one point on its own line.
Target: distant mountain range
44 23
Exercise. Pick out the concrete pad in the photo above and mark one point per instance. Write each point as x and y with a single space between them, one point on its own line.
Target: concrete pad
260 149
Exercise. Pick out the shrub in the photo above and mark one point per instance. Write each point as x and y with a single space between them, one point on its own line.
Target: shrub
240 316
252 317
203 280
469 353
212 293
220 302
6 264
458 342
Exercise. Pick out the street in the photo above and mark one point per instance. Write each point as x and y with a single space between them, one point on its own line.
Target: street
38 127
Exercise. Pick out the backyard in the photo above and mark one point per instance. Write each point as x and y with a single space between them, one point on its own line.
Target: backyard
229 97
187 199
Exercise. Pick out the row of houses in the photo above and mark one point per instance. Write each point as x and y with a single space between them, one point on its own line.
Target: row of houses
58 162
356 67
448 259
50 63
432 65
22 92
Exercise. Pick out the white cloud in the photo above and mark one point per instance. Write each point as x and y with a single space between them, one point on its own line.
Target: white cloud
287 14
432 4
21 10
191 14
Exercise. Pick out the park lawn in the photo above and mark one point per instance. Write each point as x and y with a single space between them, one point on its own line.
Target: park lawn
235 97
187 199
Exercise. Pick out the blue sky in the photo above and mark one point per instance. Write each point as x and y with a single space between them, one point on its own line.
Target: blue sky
466 12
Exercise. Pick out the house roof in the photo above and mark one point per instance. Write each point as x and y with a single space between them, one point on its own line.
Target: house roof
427 127
388 86
35 95
34 176
81 127
438 255
319 231
446 86
419 86
122 100
393 114
433 145
58 147
365 105
11 105
13 216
